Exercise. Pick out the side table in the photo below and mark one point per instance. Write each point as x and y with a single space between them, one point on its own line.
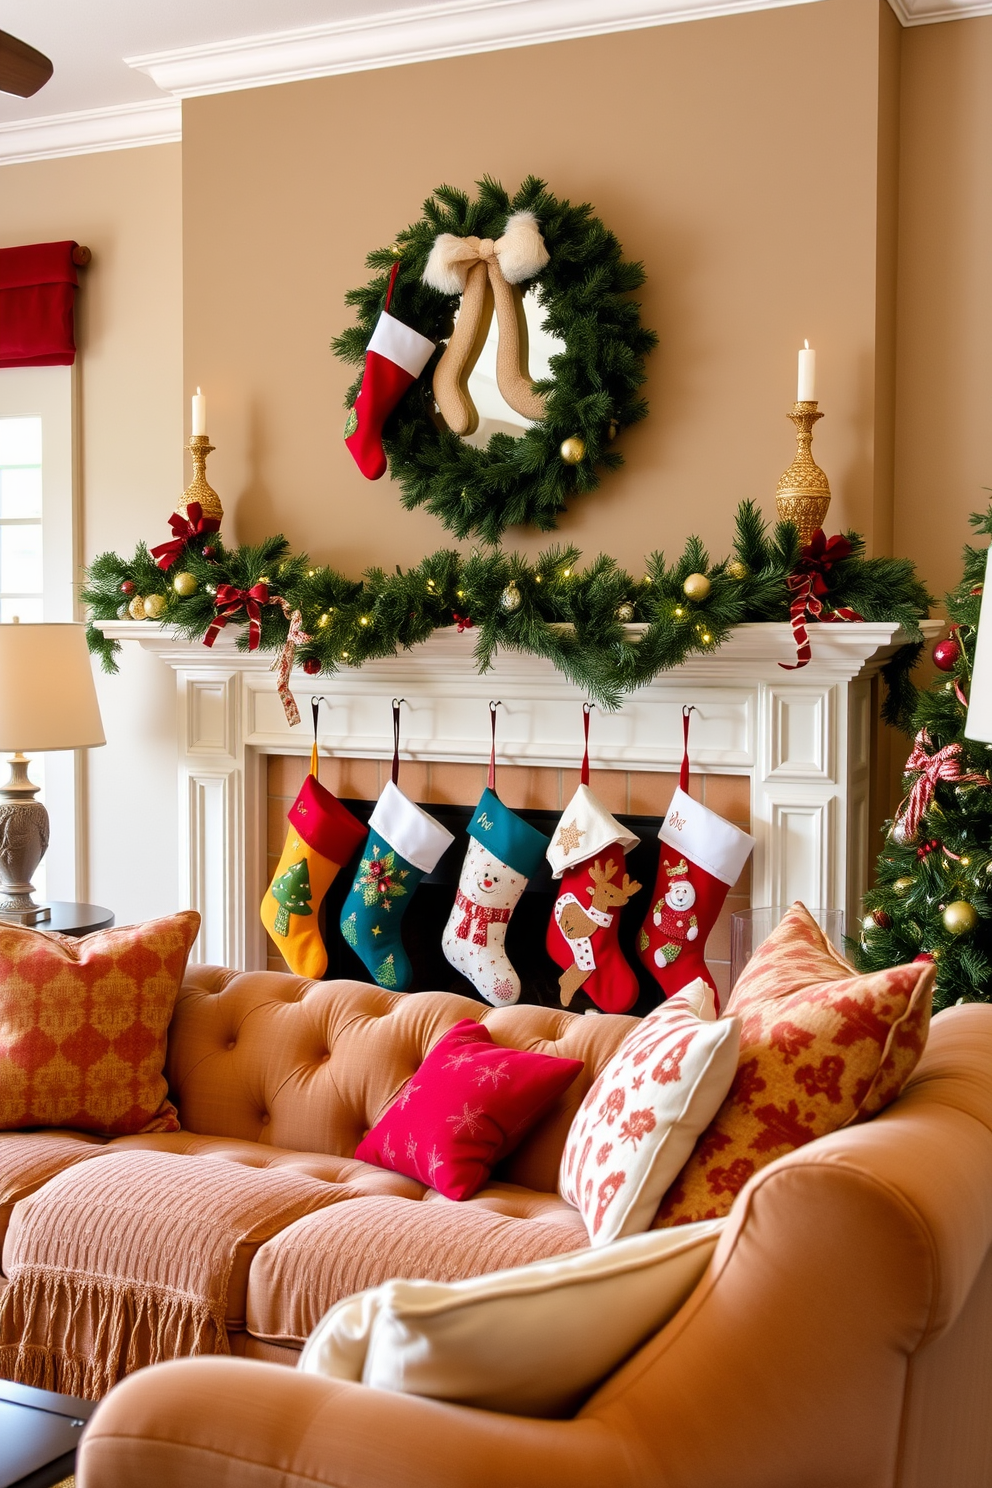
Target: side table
76 919
39 1433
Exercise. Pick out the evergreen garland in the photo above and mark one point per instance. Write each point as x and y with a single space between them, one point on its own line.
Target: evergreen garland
949 859
594 391
573 617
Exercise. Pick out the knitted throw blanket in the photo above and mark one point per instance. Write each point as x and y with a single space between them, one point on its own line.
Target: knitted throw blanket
127 1259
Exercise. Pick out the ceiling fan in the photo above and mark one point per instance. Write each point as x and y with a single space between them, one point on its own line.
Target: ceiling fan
22 70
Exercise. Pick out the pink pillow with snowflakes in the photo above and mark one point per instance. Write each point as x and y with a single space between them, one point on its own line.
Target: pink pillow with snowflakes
468 1105
639 1121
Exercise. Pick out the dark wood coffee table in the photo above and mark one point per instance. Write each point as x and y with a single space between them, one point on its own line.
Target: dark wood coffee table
39 1433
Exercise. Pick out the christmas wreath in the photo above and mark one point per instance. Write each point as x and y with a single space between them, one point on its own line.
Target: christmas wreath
576 267
605 630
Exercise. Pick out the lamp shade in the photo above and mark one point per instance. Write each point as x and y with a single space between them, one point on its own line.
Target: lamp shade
979 722
47 696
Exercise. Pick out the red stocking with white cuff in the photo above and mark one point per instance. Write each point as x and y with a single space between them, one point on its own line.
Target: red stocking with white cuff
394 359
701 857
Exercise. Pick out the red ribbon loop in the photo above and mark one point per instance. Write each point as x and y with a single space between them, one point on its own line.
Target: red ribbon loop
229 602
809 587
193 524
944 765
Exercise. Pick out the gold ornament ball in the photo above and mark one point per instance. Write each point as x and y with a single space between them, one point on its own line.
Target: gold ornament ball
902 886
155 606
184 585
573 450
136 609
625 612
736 570
511 599
960 917
697 586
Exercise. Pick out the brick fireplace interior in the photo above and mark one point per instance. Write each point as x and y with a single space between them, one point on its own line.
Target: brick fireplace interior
640 794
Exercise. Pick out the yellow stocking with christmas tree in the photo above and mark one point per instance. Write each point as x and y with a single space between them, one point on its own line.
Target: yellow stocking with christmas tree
322 836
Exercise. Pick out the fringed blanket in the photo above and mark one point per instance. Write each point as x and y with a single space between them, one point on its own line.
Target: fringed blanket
128 1259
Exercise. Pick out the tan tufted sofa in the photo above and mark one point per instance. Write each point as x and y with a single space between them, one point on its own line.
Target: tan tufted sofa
277 1079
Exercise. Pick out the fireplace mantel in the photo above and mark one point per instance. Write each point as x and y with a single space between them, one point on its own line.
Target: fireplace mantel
803 738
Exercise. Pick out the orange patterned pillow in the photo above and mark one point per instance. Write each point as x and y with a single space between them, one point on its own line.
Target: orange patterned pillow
820 1047
83 1026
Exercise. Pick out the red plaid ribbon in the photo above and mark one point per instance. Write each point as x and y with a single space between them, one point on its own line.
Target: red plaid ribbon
229 602
483 915
809 587
193 524
944 765
283 663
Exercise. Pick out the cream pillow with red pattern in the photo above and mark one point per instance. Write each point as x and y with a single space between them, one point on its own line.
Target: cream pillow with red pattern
821 1047
639 1121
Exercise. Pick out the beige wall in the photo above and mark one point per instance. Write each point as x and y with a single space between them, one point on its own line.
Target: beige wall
737 157
944 430
125 205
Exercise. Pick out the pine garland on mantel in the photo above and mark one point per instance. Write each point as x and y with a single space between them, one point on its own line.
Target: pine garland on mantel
576 618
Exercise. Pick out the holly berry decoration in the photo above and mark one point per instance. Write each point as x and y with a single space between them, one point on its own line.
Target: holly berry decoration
946 654
127 587
311 666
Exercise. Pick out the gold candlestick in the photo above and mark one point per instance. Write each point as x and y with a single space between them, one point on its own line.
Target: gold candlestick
198 489
803 493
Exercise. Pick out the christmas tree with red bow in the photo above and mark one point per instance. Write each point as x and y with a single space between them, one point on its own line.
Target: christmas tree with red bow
932 900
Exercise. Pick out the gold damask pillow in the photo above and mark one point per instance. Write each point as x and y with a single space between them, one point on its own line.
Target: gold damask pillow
821 1047
83 1026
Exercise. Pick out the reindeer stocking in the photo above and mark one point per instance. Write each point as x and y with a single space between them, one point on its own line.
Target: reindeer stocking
701 856
588 854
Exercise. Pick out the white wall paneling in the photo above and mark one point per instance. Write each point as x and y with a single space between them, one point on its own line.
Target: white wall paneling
802 738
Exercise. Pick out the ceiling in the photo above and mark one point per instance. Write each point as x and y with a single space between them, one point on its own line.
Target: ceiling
121 66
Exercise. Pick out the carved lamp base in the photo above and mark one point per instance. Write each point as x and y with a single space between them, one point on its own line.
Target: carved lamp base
23 844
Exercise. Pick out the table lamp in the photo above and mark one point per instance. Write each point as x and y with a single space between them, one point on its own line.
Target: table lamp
978 724
47 701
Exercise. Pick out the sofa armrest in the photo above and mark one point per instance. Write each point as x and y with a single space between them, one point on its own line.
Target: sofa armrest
237 1423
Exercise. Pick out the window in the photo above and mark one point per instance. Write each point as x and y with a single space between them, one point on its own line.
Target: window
21 568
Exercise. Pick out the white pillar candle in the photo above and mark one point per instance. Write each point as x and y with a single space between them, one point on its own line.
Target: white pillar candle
806 391
200 412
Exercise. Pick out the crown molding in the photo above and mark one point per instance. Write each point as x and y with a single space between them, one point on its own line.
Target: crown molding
419 34
928 13
89 131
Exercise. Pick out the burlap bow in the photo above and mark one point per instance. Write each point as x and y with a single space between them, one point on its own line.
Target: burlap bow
466 266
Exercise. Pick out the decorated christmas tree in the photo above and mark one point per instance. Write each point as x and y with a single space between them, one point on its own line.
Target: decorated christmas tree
292 891
932 900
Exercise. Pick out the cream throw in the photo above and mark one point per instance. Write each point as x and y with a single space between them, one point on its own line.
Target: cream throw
127 1259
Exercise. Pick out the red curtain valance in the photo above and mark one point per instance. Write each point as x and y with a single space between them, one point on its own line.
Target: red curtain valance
37 287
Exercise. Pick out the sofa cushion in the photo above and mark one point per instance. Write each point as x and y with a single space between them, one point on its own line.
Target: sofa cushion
134 1257
639 1122
312 1065
29 1159
532 1341
83 1025
821 1047
469 1104
310 1265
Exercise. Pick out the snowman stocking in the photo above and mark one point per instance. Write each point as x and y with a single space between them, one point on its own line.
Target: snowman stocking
588 854
403 844
504 851
323 835
395 357
701 856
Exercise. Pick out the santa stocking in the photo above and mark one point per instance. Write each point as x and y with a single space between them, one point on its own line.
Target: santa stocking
403 844
323 835
701 856
504 851
394 359
588 854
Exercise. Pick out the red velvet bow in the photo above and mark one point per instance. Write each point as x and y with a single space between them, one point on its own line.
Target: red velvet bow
944 765
229 601
193 524
809 587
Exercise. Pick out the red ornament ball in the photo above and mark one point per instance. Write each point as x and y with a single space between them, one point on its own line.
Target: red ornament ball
311 666
127 587
882 920
208 551
946 654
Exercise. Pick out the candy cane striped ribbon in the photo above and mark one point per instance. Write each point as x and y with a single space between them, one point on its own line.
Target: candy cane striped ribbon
805 608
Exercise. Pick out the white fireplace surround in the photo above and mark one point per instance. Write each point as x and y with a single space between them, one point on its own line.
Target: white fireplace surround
802 738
